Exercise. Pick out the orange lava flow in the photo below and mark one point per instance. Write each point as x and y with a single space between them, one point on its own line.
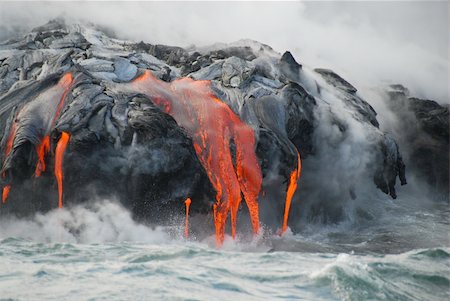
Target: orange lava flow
59 155
42 149
5 193
292 187
186 225
212 125
44 146
65 83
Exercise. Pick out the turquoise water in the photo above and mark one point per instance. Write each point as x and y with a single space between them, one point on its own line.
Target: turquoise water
100 253
63 271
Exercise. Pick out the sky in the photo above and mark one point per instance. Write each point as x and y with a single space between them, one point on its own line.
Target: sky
370 44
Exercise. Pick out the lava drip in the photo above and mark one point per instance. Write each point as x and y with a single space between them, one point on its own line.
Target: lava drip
212 125
59 155
5 193
42 149
186 225
292 187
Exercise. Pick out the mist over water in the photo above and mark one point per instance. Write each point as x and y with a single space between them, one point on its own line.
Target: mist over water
100 253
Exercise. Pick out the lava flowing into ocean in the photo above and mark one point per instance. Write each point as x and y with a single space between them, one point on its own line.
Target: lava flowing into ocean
40 117
224 144
292 187
43 147
59 155
213 126
187 202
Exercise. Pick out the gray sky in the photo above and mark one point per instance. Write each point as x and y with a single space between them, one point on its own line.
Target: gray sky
368 43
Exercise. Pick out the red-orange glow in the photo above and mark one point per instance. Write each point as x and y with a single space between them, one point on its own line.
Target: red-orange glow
65 83
212 125
186 225
292 187
42 150
44 146
5 193
59 156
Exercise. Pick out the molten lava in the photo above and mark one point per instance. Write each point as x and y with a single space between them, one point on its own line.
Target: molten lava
65 83
44 146
5 193
42 149
292 187
186 225
59 155
212 126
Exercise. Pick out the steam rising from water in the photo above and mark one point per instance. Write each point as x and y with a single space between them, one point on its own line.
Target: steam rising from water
99 222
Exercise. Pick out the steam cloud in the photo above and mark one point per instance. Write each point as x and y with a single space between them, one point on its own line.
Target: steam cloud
100 222
367 43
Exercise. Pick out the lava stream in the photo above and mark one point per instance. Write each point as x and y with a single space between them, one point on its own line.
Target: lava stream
5 193
292 187
42 149
59 155
186 226
66 83
212 126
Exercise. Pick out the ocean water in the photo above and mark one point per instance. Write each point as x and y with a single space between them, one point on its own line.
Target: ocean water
100 253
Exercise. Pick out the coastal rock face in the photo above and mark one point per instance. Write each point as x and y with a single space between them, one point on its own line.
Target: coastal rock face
423 132
124 143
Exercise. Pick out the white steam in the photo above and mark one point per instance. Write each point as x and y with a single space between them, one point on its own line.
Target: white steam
100 222
367 43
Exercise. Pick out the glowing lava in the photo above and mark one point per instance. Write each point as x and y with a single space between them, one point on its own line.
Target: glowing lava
59 155
39 117
212 126
292 187
65 83
186 225
44 146
5 193
42 149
